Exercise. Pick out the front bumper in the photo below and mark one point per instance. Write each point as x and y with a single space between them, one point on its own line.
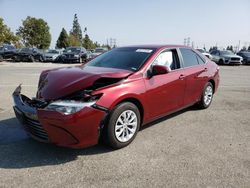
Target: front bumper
71 59
77 130
233 62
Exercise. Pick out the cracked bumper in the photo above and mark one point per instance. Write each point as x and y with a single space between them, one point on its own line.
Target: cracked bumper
77 130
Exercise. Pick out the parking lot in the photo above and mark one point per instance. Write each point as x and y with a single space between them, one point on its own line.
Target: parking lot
191 148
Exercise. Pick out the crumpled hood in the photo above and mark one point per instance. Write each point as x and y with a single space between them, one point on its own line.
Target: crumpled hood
57 83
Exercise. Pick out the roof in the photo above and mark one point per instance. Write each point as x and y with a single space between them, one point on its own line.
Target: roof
158 46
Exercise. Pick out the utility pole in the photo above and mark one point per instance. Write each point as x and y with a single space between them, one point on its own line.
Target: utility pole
187 41
238 46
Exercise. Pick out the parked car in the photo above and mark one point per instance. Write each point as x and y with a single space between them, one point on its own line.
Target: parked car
115 94
73 55
6 52
98 51
51 55
28 54
226 57
207 54
245 55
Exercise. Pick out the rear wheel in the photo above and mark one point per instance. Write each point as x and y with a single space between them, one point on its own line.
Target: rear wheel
1 58
122 126
207 96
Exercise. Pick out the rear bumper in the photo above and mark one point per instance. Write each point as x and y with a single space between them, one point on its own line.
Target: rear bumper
77 130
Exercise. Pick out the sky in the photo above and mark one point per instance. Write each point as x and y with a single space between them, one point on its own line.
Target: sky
131 22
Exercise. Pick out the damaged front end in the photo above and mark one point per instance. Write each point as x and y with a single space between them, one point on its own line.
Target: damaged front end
65 110
26 112
70 121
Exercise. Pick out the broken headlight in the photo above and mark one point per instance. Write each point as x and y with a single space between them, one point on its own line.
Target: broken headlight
68 106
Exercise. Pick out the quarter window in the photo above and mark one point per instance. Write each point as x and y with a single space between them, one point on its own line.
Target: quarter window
189 57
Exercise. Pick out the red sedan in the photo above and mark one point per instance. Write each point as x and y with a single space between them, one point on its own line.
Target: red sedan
115 94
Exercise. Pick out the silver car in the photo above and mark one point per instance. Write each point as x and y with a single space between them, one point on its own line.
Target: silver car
51 55
226 57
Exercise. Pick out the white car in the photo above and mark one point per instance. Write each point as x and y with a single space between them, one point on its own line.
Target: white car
98 51
51 55
208 55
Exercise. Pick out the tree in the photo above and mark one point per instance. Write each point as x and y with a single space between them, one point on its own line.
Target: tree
248 48
76 31
35 33
6 36
63 39
244 48
74 41
213 48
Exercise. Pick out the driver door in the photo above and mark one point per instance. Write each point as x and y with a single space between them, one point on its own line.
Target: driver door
165 92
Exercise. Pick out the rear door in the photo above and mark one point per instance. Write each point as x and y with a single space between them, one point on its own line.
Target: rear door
165 92
195 69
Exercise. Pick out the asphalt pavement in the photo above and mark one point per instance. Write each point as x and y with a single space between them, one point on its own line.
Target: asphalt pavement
191 148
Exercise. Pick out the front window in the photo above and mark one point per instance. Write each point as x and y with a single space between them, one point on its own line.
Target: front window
128 58
169 59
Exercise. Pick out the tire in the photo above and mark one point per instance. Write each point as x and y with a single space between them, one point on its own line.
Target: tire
31 58
40 59
118 135
207 96
1 58
16 58
221 62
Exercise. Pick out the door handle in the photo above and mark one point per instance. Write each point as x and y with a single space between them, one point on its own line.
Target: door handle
205 69
181 76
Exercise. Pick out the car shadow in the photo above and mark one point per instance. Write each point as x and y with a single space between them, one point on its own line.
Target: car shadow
172 115
18 150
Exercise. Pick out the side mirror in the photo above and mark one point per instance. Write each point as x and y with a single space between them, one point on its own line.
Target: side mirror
159 69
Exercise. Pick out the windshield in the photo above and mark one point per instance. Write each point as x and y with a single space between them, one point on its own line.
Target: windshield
227 52
75 50
99 50
53 52
26 49
128 58
201 50
247 54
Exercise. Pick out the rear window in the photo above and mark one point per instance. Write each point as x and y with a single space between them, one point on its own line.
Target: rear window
189 57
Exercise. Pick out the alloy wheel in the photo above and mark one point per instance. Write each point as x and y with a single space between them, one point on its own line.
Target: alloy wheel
208 95
126 126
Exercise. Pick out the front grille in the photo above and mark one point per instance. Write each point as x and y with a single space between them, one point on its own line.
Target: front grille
69 56
235 59
36 129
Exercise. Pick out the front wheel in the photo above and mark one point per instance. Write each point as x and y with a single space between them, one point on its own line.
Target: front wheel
122 126
207 96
